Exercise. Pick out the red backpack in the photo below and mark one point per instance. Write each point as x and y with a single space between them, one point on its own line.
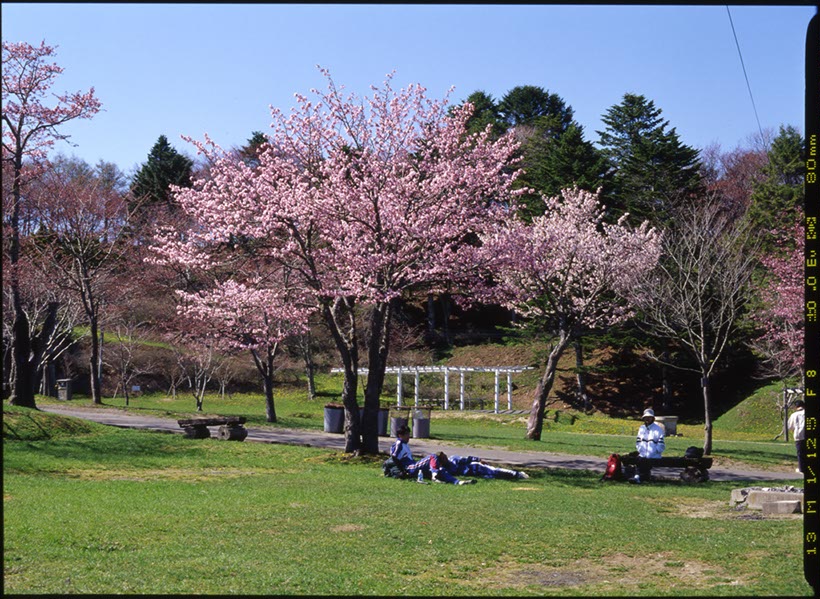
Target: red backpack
614 470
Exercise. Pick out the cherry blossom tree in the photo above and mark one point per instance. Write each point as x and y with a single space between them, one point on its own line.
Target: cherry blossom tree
82 221
368 201
52 314
30 127
781 312
257 314
781 315
566 270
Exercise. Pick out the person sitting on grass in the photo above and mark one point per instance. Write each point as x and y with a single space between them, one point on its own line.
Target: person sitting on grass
435 467
400 450
474 466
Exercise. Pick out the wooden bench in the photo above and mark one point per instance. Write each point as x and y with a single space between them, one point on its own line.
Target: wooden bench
230 427
694 469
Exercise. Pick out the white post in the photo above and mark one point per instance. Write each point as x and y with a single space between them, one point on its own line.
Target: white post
398 388
446 388
495 392
461 389
509 390
416 393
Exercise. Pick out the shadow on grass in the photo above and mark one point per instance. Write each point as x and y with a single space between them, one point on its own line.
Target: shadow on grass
116 447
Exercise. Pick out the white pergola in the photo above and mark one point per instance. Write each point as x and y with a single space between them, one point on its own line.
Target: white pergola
416 371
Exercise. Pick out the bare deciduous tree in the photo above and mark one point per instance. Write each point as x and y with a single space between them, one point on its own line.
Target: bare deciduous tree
697 292
128 336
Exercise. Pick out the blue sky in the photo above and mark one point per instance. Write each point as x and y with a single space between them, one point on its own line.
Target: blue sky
190 69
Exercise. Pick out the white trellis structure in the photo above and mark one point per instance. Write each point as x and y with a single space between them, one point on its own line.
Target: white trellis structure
446 371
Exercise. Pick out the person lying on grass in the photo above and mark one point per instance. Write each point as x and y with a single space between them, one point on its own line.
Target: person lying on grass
474 466
435 467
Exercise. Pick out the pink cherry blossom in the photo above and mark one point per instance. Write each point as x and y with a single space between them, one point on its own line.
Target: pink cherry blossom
567 270
365 200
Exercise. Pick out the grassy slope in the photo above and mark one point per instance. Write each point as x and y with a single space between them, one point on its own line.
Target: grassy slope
96 509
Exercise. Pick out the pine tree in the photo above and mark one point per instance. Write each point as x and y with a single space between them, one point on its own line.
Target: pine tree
165 166
777 200
533 105
651 169
485 112
551 165
249 153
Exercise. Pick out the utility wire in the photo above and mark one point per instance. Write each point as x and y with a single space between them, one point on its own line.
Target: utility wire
748 85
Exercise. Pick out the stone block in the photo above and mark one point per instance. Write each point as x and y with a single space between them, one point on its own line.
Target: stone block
781 507
756 499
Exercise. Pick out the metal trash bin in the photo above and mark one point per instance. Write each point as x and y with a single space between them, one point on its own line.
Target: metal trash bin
669 423
381 422
334 418
421 422
64 389
398 417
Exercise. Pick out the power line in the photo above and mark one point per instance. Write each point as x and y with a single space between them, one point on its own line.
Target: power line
748 85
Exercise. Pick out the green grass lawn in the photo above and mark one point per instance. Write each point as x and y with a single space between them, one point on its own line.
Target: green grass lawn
96 509
734 441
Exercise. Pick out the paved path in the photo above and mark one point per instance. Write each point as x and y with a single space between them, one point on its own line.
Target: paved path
312 438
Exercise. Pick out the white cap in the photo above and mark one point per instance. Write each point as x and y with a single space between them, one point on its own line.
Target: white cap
648 413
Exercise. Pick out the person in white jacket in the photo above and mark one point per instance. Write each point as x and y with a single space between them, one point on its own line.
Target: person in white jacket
797 425
650 444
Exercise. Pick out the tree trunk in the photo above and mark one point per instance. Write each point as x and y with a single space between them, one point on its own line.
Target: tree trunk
786 405
377 351
431 315
265 369
535 423
666 388
310 365
707 416
41 355
270 406
580 374
96 395
341 321
22 389
447 310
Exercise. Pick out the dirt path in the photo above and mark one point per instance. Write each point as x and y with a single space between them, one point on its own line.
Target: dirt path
310 438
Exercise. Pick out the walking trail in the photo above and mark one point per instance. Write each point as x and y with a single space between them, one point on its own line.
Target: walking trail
312 438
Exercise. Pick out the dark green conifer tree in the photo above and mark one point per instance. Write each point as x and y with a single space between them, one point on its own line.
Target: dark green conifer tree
526 104
485 112
651 169
165 166
553 164
777 201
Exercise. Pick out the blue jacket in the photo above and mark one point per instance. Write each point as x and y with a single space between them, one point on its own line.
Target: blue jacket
430 466
460 465
401 454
